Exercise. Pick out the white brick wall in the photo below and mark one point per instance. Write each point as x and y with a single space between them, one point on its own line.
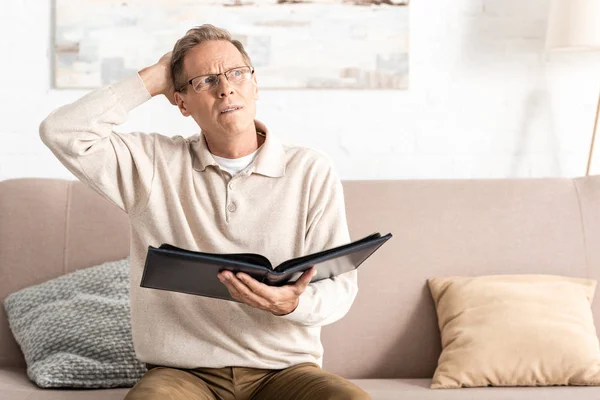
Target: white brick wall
484 100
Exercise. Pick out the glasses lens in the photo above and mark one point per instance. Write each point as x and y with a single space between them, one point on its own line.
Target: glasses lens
239 74
206 82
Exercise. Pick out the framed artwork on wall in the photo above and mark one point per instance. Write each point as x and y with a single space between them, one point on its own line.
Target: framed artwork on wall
293 44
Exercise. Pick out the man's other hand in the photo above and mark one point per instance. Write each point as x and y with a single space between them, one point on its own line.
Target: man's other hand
279 300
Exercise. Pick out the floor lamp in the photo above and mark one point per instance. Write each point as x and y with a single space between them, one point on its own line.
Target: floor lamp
575 25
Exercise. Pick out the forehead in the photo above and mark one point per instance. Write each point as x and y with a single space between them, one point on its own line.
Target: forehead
212 57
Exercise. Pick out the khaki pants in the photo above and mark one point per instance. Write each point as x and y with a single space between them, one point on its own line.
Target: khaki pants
305 381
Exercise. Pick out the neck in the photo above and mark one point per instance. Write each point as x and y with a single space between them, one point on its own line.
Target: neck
236 146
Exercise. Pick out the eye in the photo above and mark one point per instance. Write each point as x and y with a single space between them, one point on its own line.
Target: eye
237 73
209 80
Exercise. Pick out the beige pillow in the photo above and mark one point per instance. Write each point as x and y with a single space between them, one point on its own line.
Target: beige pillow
515 330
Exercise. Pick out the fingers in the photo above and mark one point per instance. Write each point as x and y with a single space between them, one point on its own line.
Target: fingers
233 291
171 99
278 300
166 58
170 94
241 292
257 287
304 280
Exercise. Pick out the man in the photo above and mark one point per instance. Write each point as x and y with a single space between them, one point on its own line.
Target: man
232 188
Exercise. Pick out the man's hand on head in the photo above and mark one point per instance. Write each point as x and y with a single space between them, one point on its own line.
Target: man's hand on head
157 78
278 301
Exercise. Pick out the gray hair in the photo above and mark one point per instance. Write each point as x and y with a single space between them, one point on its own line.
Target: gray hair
193 38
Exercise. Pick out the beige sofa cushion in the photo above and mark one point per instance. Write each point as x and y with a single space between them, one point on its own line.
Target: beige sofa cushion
515 330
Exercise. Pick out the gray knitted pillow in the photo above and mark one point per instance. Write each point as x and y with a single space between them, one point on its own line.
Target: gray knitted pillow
75 330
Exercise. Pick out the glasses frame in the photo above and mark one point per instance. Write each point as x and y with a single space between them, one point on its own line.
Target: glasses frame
225 74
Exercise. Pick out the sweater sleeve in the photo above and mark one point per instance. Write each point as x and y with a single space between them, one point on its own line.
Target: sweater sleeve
328 300
120 167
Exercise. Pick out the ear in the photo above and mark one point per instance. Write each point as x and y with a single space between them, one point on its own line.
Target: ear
181 104
255 86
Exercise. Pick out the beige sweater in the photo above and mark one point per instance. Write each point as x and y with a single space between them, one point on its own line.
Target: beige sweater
287 203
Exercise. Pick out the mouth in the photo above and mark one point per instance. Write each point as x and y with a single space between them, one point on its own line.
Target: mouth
230 109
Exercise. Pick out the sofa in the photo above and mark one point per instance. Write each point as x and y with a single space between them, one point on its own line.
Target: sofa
389 342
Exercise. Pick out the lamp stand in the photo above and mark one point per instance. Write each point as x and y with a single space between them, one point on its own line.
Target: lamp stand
587 172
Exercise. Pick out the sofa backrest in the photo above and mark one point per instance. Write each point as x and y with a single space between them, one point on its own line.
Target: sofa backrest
440 227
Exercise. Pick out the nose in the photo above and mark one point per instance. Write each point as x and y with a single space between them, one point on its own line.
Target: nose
225 88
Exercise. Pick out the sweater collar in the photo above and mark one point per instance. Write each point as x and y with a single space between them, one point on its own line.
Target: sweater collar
269 161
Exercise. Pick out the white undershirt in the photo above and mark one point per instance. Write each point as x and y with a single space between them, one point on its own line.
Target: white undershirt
235 165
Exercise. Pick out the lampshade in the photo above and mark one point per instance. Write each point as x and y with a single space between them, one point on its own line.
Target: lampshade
573 25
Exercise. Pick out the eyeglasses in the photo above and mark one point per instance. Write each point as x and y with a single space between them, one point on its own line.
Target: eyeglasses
211 81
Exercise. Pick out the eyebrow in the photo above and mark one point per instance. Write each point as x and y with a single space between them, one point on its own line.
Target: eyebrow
215 73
